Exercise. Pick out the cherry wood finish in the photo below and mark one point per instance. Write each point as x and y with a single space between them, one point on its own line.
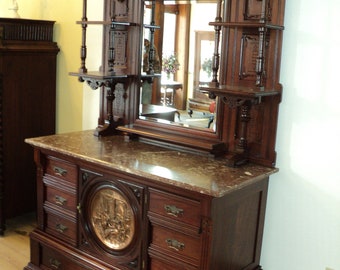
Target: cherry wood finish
114 203
246 68
176 228
27 107
118 79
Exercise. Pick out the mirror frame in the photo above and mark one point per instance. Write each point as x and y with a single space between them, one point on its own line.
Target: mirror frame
247 106
201 140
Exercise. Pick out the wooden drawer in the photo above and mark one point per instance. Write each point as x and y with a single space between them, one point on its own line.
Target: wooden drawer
54 260
62 170
176 244
60 198
156 264
175 207
61 227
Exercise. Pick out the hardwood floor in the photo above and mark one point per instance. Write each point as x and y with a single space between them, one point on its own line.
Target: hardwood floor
14 245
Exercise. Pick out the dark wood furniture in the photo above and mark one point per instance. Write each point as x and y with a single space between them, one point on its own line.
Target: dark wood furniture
200 102
169 87
245 84
27 107
143 194
109 203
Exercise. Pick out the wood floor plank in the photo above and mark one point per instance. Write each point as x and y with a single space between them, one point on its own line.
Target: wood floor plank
14 245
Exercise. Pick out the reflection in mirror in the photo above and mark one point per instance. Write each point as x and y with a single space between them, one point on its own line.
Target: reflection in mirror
177 57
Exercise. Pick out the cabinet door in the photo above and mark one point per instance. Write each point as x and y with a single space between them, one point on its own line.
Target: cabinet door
112 225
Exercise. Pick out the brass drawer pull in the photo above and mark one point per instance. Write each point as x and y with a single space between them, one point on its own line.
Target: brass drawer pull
174 244
61 228
59 171
173 210
55 264
60 200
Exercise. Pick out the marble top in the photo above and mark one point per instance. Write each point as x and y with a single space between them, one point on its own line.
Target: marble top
203 174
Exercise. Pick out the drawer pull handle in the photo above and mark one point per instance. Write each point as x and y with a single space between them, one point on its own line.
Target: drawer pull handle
174 244
60 200
61 228
59 171
55 264
173 210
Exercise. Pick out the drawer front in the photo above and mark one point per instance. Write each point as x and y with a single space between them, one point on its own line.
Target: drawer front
156 264
54 260
175 243
175 207
62 169
62 228
60 198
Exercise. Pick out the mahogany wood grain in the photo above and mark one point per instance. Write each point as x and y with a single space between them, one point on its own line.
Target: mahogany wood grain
27 107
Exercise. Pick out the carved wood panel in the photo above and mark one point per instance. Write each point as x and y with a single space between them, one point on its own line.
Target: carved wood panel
253 9
111 218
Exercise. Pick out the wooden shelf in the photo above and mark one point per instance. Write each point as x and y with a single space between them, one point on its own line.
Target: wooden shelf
98 75
150 26
96 79
107 23
247 25
239 91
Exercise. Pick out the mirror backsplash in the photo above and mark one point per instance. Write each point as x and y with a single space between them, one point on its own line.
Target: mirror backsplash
172 70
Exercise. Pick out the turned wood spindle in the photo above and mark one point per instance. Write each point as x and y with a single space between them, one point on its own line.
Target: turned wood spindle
151 45
245 118
260 72
83 50
216 55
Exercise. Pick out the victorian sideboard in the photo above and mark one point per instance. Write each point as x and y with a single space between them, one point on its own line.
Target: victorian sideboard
27 107
110 203
140 192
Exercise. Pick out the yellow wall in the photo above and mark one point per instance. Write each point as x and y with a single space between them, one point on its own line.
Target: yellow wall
68 36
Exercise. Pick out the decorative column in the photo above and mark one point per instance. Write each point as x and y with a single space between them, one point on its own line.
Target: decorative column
83 51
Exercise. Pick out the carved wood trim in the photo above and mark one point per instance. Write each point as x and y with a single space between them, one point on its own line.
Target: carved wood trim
253 10
26 30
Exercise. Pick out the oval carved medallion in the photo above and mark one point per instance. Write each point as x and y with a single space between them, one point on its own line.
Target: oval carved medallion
112 218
